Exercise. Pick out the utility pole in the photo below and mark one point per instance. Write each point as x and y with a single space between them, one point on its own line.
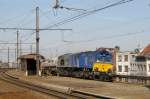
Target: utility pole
15 57
20 48
30 48
8 57
17 49
37 29
37 42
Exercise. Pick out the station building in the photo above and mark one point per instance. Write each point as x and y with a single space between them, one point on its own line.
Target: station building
28 63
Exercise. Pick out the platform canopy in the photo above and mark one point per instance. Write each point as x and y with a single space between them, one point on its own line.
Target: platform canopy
31 56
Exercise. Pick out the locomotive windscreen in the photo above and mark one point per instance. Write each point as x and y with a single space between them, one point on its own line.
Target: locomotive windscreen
104 56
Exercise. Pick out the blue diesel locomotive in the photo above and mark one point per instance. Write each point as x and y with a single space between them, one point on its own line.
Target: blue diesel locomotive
83 64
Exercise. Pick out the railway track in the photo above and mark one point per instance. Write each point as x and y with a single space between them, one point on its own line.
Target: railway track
70 94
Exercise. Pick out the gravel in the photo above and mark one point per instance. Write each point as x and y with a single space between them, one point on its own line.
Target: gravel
118 90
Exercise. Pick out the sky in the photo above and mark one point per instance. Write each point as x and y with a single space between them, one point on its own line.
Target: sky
125 25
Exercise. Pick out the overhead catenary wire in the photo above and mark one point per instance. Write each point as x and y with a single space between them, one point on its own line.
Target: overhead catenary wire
98 39
44 14
25 29
5 44
73 20
31 29
22 15
86 13
21 22
108 37
12 49
16 43
120 2
57 6
28 37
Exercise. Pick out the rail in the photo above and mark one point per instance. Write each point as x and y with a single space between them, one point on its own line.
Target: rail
92 94
68 94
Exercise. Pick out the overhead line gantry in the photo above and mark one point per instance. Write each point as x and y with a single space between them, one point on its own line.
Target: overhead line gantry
37 30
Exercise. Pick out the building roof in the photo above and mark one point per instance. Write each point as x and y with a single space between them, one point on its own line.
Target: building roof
127 52
146 51
30 56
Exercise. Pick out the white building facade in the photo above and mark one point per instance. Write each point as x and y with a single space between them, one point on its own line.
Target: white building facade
138 69
141 66
123 62
148 66
130 64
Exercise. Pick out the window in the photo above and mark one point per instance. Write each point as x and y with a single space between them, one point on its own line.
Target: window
133 56
141 68
125 58
119 58
126 68
119 68
149 67
131 68
62 62
138 67
144 67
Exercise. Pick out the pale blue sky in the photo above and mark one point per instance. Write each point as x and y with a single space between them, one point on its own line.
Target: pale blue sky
107 28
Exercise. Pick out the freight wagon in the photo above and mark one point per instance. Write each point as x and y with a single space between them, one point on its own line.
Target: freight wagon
91 64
